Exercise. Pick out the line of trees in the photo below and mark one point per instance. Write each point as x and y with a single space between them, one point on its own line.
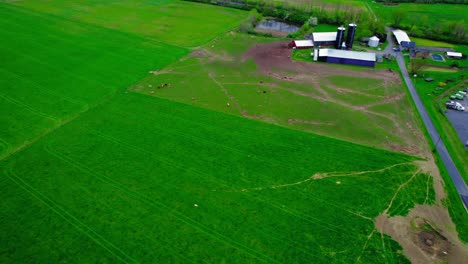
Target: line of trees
419 26
461 2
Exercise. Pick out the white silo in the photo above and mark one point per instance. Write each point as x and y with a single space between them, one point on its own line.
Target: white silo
373 41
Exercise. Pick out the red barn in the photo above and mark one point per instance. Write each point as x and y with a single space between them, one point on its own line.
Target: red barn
302 44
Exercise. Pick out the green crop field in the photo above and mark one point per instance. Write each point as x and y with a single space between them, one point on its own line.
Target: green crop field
432 14
121 142
46 79
144 179
179 23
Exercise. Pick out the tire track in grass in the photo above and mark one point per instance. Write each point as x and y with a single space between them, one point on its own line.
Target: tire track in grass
223 183
41 88
278 206
415 173
4 146
179 134
71 219
27 107
158 205
202 175
167 243
306 251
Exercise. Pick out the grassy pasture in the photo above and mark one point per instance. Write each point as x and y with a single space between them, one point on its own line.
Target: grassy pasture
179 23
120 183
218 75
434 101
47 78
433 14
431 43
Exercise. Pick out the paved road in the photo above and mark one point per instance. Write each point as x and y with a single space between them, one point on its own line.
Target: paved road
440 146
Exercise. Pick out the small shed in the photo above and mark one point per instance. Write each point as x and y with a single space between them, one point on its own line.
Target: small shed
303 44
456 55
373 42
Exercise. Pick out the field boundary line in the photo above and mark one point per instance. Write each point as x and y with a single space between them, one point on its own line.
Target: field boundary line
27 107
49 130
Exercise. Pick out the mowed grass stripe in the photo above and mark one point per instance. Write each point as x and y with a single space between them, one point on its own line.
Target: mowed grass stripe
125 167
67 69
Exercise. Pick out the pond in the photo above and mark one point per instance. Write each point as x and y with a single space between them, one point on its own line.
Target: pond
271 24
437 57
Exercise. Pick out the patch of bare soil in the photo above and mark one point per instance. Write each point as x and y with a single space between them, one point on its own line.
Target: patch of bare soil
276 55
427 234
198 53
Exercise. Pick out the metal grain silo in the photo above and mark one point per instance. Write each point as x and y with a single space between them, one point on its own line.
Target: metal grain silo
339 37
350 37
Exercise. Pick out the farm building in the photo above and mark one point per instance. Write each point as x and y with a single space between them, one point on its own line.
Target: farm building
455 55
402 39
302 44
324 38
347 57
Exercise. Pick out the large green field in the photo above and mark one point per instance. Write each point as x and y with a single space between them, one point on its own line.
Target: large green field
99 165
432 14
143 179
175 22
47 78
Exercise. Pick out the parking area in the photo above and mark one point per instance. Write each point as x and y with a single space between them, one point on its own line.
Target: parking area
459 121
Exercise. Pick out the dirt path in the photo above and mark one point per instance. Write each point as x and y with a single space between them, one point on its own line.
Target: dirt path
273 59
427 234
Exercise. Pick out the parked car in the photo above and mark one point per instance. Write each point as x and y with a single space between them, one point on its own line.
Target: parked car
396 49
462 92
454 105
450 104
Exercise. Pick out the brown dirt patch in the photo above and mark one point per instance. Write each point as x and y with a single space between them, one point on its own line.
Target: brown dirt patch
198 54
274 56
427 234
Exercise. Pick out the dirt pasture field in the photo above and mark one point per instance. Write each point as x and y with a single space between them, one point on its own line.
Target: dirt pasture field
256 78
274 59
276 55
